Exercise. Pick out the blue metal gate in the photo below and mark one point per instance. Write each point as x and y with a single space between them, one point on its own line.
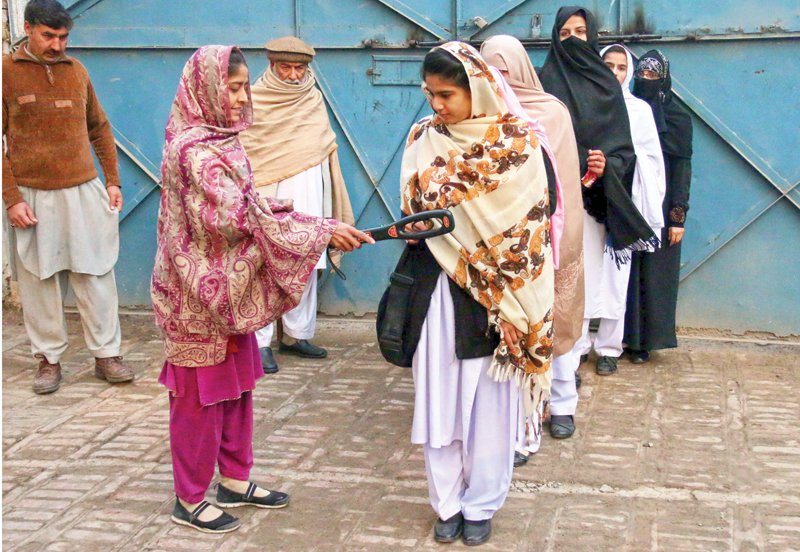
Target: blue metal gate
734 66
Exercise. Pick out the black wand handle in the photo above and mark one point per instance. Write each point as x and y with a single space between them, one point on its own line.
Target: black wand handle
396 230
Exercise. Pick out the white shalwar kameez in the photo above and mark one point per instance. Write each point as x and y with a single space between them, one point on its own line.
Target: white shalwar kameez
466 421
607 284
606 288
308 191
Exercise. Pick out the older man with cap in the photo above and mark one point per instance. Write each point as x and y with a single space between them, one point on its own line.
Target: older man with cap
292 151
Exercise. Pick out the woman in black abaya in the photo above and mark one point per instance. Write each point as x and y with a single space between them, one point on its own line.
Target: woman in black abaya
653 288
575 73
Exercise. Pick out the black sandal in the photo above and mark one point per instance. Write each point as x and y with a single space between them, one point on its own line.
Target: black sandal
225 523
227 498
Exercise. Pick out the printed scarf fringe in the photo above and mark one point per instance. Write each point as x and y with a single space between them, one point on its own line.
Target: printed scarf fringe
535 388
623 256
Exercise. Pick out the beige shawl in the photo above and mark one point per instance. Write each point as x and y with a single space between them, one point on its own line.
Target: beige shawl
488 170
508 54
290 134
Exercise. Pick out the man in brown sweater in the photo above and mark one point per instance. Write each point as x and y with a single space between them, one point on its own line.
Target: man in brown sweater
65 222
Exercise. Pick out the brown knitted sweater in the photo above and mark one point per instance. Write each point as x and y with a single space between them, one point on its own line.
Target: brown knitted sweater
51 117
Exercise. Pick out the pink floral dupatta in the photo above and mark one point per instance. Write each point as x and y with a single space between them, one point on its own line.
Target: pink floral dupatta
227 263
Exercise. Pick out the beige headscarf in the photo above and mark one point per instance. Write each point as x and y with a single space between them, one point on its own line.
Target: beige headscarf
508 54
290 134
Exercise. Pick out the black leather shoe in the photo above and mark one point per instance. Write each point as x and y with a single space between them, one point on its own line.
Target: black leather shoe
303 348
562 427
638 357
227 498
578 380
606 366
448 530
477 532
520 459
268 362
225 523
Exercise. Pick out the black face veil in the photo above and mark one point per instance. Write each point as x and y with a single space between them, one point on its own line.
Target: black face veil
673 122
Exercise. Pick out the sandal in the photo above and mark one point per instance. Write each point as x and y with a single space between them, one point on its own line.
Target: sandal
227 498
224 523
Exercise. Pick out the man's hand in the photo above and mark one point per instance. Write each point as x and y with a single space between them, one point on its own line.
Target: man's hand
21 215
511 334
675 234
596 161
114 198
347 238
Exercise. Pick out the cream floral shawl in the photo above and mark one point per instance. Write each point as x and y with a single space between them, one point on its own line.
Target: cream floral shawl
488 170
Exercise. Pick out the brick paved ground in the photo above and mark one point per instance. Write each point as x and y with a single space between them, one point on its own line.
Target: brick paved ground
699 450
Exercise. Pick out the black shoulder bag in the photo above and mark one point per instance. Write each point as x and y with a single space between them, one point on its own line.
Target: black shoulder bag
404 305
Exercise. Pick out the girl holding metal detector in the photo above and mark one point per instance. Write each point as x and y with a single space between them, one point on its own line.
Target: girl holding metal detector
227 264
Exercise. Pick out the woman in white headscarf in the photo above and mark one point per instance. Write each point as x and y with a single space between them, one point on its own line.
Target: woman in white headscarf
649 179
609 286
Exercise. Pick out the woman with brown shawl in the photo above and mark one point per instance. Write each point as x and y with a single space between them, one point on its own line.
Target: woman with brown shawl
227 264
494 271
507 54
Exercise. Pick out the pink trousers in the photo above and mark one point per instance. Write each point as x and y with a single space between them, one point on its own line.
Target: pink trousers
203 436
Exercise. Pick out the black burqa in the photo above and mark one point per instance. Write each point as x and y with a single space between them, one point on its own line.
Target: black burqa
653 284
575 73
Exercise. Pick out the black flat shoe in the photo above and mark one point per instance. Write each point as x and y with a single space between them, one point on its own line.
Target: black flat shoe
606 366
268 362
477 532
520 459
562 427
303 348
227 498
578 380
638 357
448 530
225 523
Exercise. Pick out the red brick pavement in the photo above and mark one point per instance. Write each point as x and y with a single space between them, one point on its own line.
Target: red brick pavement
698 450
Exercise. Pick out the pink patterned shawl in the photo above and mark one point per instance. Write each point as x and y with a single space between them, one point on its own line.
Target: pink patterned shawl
227 262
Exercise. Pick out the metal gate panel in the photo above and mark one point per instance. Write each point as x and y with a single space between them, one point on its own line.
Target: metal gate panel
367 120
368 115
742 229
752 283
690 17
367 23
432 15
744 90
744 167
726 195
138 87
179 23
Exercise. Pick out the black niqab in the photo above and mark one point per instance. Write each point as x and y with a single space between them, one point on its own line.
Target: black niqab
673 122
575 73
